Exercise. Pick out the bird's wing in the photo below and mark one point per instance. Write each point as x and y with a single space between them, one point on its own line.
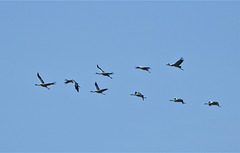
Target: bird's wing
96 85
100 69
68 81
181 100
40 78
104 89
77 87
179 62
48 84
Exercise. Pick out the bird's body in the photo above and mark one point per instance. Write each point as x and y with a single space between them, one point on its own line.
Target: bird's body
177 64
98 90
146 68
210 103
74 82
104 73
178 100
42 84
138 94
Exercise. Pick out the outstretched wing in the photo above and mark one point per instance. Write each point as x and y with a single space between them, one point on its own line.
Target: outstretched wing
96 86
76 85
100 69
102 90
48 84
40 79
180 100
68 81
179 62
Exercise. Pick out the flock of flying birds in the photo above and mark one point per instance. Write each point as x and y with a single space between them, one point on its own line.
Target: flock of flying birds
108 74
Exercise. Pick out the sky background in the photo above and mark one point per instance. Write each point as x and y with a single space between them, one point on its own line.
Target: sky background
66 40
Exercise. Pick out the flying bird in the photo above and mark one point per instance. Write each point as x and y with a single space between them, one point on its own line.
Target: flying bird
104 73
42 82
98 90
178 100
74 83
146 68
210 103
177 64
138 94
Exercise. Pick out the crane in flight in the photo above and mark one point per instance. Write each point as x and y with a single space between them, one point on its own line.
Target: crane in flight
138 94
104 73
42 82
98 90
146 68
210 103
178 100
177 64
74 83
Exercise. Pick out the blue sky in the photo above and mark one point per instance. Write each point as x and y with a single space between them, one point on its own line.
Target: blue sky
66 40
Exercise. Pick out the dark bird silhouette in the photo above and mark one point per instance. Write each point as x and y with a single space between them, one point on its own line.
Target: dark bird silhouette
74 83
210 103
98 90
177 64
138 94
146 68
104 73
42 82
178 100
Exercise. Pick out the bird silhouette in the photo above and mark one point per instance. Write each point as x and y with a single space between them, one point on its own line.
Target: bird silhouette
104 73
98 90
177 64
42 82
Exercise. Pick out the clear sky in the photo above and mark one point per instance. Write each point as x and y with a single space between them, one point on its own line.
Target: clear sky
66 40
